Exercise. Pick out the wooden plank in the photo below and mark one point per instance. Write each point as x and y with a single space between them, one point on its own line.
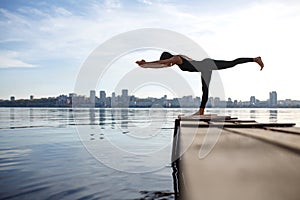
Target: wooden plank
278 124
239 125
291 130
193 123
289 141
238 167
240 121
205 118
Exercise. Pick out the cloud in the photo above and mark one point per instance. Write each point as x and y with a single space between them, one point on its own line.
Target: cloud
112 4
148 2
11 60
60 33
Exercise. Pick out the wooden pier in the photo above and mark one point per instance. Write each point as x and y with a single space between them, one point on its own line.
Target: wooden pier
241 159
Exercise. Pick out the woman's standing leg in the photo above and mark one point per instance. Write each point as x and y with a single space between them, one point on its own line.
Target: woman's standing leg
205 80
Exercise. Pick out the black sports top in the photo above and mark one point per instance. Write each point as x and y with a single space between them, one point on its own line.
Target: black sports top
204 65
186 65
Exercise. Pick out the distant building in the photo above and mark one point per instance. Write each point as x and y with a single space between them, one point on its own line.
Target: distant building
217 102
288 102
113 100
102 94
124 93
62 100
229 103
210 102
92 97
186 101
252 101
235 103
71 95
124 100
102 99
273 99
197 101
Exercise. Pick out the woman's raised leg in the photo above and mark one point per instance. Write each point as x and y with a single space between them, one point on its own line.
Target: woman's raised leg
223 64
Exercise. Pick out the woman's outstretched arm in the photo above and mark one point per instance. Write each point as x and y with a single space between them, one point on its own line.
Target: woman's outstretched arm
160 63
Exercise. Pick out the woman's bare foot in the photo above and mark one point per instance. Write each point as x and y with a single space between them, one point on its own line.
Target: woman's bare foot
259 61
140 62
199 112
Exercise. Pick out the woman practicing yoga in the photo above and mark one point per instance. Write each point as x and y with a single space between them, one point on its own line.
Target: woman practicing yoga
205 67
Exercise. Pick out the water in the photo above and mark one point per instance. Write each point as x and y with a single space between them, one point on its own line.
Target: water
46 153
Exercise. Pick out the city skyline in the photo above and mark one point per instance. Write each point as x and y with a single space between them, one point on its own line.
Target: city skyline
104 93
43 45
31 96
124 92
126 100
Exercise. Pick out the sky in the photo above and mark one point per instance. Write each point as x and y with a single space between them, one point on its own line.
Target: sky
43 44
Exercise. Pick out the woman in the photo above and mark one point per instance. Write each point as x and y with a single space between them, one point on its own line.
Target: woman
204 66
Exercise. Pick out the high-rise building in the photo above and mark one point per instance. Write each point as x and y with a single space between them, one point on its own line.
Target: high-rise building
102 99
235 103
210 102
12 98
124 93
102 95
124 99
229 102
31 97
273 99
197 101
252 100
92 97
186 101
216 101
113 100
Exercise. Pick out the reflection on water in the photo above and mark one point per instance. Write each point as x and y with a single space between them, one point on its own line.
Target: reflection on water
11 116
31 114
252 114
42 157
92 116
124 119
113 120
273 115
102 117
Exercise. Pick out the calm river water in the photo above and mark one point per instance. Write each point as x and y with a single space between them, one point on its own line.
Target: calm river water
63 153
